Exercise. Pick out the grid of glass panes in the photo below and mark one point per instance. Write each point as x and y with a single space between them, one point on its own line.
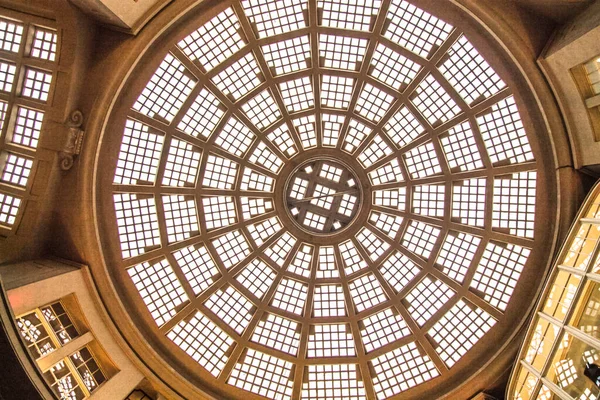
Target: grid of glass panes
332 340
382 328
498 272
339 381
214 41
47 328
159 288
459 329
198 267
262 110
231 307
416 365
166 92
457 253
399 270
278 333
27 74
204 341
427 298
263 374
341 52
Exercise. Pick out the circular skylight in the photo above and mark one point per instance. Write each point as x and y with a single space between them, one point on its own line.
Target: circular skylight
323 196
323 200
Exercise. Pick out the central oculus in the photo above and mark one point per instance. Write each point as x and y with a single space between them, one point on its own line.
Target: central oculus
323 196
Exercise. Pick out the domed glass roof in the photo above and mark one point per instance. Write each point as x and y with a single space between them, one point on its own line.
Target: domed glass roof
323 199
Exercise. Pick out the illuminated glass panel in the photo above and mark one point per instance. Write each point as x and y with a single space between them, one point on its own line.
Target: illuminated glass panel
427 298
7 76
458 330
159 288
306 130
297 94
301 263
182 164
16 169
503 133
329 301
332 126
215 41
422 161
44 44
231 307
220 172
388 173
415 365
432 100
386 223
403 127
235 138
252 180
333 340
373 103
429 200
278 333
203 116
290 296
393 68
420 238
468 201
273 17
374 152
329 382
219 211
288 55
204 341
28 127
352 259
239 78
36 84
457 254
498 272
394 199
280 250
469 73
282 138
513 206
336 91
198 267
382 328
262 155
354 14
342 52
11 35
414 29
257 277
231 248
374 246
254 207
327 267
137 222
357 133
461 149
262 110
181 217
399 270
366 292
139 156
263 374
166 91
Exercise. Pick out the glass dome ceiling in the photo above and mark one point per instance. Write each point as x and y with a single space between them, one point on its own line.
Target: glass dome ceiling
324 199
